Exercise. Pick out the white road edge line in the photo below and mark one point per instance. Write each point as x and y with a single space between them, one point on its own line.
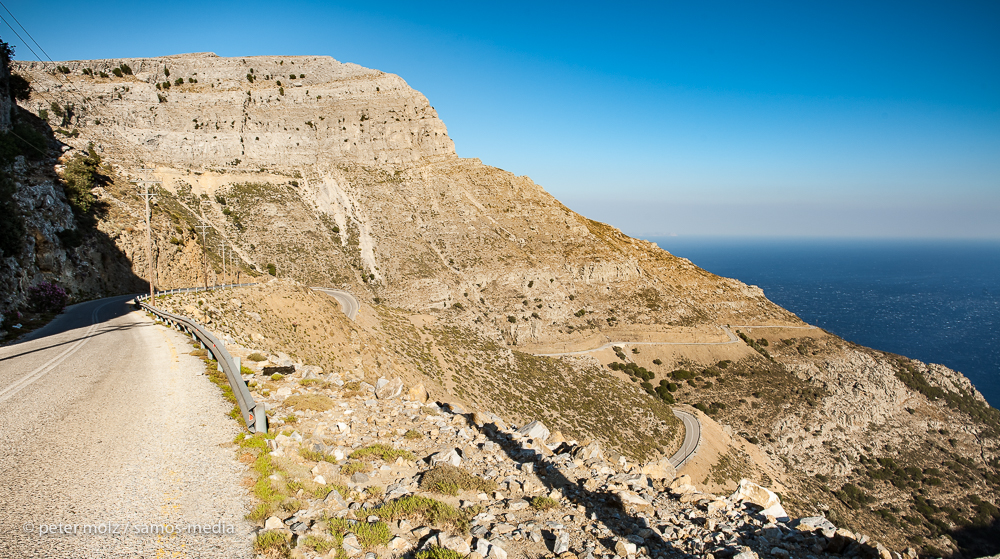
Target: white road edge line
38 373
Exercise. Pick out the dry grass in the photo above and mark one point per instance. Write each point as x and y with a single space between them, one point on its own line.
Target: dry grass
315 402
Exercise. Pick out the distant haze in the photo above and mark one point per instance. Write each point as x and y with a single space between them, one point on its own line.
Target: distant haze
736 118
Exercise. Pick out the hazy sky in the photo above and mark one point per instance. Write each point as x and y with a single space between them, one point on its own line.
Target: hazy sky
728 118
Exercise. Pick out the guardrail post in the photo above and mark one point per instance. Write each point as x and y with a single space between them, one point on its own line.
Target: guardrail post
260 418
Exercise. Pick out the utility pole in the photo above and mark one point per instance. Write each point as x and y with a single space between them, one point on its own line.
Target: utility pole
147 195
223 261
203 227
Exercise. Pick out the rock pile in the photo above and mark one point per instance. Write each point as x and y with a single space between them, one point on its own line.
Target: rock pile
549 497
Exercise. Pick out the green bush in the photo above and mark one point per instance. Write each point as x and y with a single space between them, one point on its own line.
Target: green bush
271 269
543 503
79 177
250 78
435 552
105 75
179 81
126 69
117 72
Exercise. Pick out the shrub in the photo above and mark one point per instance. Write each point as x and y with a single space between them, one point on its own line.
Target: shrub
422 508
117 72
435 552
302 76
412 435
352 468
384 452
256 357
179 81
126 69
657 362
47 297
271 269
543 503
79 177
291 76
270 542
449 480
511 319
281 90
315 402
166 71
250 78
580 313
105 74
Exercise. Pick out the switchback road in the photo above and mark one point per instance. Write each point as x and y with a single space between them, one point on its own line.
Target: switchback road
692 438
347 301
106 421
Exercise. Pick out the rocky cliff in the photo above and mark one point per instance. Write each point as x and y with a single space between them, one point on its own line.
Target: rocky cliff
330 173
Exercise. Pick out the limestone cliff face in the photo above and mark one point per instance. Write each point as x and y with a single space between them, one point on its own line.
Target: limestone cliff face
340 174
89 269
333 113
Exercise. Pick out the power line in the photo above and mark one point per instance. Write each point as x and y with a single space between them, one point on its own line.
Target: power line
25 32
74 89
22 38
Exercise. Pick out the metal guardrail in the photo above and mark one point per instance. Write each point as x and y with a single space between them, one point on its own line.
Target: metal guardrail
253 412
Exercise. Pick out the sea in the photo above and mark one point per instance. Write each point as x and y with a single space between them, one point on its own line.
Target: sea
933 300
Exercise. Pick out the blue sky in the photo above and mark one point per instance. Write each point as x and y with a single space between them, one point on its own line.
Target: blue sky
711 118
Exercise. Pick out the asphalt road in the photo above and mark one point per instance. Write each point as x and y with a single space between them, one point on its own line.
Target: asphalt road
692 436
347 301
110 432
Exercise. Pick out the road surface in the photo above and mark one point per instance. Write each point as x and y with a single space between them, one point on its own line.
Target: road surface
732 340
692 438
111 433
347 301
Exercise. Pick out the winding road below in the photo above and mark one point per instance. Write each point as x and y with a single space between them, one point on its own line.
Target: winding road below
106 420
347 301
692 439
732 340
